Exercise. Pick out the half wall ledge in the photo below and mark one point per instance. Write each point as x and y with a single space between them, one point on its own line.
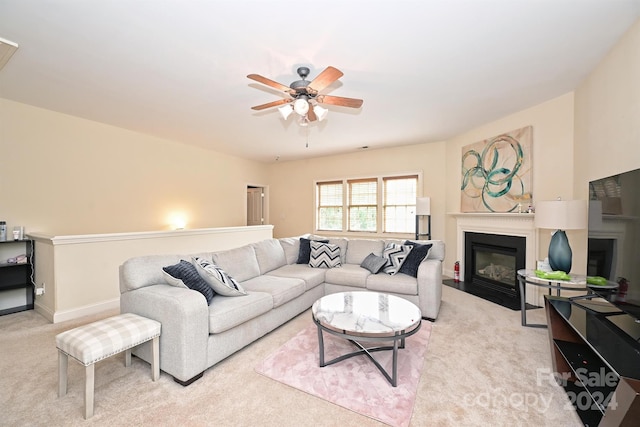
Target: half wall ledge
81 272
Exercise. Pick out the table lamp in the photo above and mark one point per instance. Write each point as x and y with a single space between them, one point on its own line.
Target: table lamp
561 215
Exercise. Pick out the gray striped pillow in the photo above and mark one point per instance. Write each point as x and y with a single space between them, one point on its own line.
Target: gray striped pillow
217 278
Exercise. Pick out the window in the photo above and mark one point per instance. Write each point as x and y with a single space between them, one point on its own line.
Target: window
376 204
400 204
329 205
363 204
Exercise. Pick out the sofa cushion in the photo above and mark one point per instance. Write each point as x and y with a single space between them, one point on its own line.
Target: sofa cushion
437 250
226 313
305 249
342 243
269 254
348 275
324 255
415 257
312 276
217 278
291 247
187 272
396 284
141 271
395 255
373 263
358 249
240 263
281 289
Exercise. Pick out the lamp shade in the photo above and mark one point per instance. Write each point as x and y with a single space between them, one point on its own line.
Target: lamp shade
423 206
561 214
321 113
286 111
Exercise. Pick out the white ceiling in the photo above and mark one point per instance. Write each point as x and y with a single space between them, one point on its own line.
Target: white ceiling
426 69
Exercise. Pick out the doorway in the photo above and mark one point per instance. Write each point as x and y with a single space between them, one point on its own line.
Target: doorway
255 205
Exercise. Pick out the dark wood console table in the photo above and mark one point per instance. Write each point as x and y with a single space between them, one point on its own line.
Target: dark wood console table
595 351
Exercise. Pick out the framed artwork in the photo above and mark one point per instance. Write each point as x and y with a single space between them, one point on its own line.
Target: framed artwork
496 173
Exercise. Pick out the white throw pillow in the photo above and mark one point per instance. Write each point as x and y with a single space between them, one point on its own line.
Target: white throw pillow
324 255
395 255
218 279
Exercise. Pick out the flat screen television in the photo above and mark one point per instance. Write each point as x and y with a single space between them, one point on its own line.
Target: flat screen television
614 237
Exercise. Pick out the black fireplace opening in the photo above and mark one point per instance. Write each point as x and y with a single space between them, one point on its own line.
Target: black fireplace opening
600 257
491 262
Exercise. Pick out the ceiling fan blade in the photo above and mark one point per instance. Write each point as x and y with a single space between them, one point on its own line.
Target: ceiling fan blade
324 79
338 100
311 115
271 104
270 82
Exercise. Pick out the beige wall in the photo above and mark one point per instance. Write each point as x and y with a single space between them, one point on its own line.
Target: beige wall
65 175
552 153
292 183
607 112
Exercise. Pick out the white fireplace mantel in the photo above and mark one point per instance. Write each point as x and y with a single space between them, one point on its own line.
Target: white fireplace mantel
507 224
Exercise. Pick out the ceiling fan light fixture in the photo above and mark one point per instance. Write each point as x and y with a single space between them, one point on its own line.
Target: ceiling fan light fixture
321 113
286 111
301 105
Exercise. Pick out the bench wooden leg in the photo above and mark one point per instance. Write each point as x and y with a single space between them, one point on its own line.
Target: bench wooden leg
63 363
127 358
88 391
155 359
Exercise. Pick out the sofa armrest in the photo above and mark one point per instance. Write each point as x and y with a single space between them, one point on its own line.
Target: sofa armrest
430 287
184 316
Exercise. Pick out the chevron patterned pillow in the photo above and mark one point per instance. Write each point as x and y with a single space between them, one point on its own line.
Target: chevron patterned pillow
395 255
324 255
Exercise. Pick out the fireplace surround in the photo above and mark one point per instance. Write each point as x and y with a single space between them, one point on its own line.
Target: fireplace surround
504 224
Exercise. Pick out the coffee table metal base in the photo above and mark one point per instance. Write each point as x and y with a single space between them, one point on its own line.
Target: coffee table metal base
398 343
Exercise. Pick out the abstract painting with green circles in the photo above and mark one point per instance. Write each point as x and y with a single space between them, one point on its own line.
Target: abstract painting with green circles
496 173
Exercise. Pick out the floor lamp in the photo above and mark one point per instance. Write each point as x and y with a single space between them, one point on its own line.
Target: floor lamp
561 215
423 208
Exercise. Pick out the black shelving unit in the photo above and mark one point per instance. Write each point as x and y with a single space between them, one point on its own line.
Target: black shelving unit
595 351
16 285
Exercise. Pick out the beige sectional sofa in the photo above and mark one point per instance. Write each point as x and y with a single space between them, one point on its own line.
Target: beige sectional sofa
196 336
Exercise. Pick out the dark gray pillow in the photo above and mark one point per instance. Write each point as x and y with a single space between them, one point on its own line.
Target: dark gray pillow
415 257
187 272
373 263
304 254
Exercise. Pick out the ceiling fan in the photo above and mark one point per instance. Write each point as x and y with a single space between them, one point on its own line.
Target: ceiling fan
305 95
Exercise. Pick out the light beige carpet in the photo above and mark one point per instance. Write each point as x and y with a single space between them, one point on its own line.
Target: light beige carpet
481 368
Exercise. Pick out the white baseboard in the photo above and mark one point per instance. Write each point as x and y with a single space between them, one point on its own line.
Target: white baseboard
87 310
43 311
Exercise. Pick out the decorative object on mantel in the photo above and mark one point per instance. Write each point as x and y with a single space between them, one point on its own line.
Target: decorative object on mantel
305 96
561 215
423 208
496 173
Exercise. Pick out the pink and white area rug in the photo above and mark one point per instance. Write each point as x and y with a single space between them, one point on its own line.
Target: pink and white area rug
354 383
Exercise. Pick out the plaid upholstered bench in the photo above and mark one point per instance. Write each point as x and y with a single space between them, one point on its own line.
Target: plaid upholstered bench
91 343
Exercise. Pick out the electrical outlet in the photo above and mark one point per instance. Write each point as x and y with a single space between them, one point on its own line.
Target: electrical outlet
40 291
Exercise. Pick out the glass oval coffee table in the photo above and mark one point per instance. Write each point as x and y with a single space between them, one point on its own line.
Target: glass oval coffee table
362 317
